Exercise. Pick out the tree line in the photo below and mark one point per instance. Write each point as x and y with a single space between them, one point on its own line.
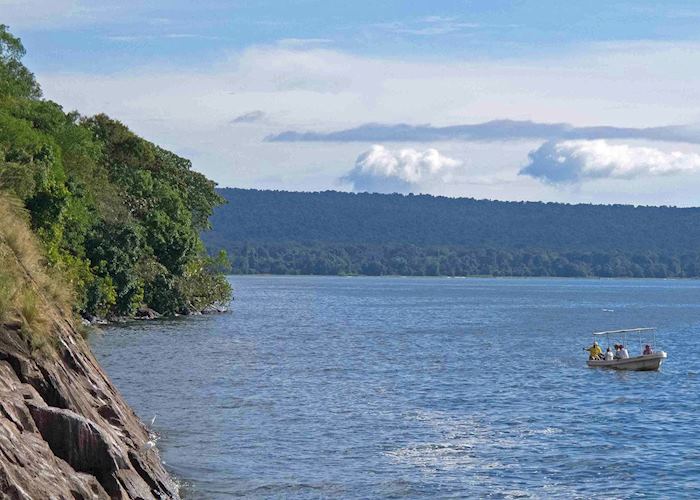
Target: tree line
411 260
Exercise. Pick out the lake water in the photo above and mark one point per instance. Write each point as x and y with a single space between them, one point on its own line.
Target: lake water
316 387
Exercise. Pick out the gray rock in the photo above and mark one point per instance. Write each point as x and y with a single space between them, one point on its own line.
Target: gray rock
146 313
65 431
215 309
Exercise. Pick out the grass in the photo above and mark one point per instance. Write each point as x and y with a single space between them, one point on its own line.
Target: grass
7 292
31 296
36 324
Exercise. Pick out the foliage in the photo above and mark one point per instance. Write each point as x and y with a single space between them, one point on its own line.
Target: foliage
374 234
15 78
118 216
411 260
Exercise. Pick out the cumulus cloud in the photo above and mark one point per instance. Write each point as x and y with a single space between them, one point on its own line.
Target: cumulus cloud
404 171
576 161
495 130
250 117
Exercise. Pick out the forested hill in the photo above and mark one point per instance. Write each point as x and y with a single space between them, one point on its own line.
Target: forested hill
117 217
345 233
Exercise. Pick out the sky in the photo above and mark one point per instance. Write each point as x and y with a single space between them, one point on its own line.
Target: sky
580 102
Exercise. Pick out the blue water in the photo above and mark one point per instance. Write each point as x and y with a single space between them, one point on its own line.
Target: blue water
317 387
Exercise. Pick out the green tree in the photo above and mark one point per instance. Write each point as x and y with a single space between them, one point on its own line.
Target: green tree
118 216
15 78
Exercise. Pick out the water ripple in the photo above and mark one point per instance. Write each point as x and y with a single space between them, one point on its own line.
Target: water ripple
378 387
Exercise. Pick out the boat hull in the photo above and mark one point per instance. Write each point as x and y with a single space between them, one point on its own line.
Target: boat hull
649 362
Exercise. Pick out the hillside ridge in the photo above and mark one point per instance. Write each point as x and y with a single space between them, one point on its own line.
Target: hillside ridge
332 232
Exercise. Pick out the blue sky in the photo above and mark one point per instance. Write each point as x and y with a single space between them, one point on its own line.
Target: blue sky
109 37
213 79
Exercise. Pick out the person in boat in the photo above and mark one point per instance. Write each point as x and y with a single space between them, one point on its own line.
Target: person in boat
609 355
617 351
594 352
623 352
647 350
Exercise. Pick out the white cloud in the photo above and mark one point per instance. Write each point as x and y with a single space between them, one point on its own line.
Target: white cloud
406 170
577 161
327 88
190 109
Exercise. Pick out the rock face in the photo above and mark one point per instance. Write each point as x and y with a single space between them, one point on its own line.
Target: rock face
65 431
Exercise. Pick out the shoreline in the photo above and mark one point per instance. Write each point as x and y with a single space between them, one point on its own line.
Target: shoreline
482 277
151 315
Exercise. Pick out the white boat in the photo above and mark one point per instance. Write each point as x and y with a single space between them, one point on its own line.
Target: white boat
643 362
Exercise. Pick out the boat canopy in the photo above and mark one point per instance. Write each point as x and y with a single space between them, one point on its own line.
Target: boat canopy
628 330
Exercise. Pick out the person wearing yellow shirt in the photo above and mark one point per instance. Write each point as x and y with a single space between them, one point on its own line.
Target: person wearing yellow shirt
594 351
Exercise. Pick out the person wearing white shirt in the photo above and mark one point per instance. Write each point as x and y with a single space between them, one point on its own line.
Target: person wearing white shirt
608 355
623 353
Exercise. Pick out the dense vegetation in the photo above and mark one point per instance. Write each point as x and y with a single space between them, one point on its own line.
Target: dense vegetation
343 233
117 216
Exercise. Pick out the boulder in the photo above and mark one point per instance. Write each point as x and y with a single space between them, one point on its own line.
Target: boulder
146 313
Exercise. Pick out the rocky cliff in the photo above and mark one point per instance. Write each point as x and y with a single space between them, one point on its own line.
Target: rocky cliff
65 431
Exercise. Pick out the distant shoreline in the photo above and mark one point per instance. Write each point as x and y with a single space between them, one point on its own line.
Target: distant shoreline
397 276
